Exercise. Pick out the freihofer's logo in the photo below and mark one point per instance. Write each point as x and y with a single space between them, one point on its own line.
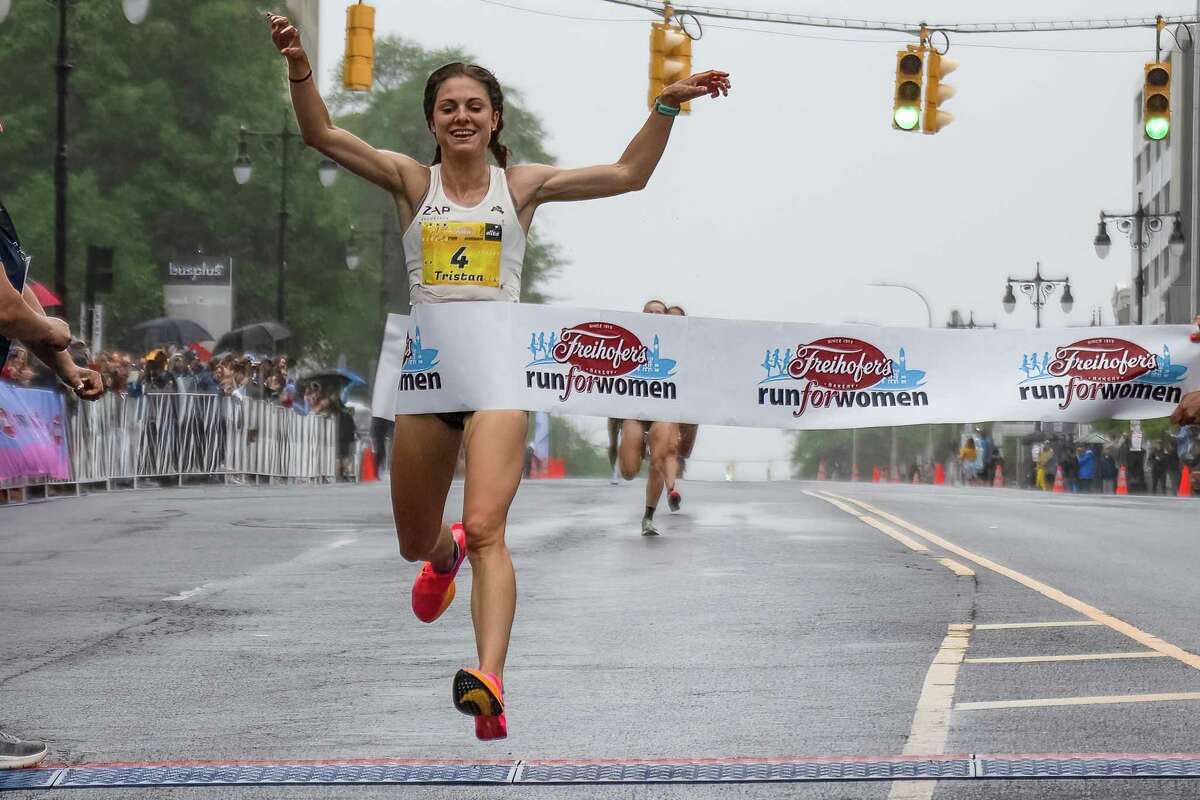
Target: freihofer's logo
840 372
600 348
602 358
1100 368
1103 360
839 363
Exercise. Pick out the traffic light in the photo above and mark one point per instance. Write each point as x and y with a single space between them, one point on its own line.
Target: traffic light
360 47
937 93
906 109
670 59
1156 101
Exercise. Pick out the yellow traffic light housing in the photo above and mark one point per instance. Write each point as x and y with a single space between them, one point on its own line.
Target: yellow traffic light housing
1156 101
910 70
670 59
936 93
360 47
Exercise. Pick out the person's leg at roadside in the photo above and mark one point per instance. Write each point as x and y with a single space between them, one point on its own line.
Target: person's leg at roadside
494 445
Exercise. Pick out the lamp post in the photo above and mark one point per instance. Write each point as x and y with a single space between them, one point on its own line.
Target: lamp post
929 429
135 11
1038 290
327 171
353 258
1138 225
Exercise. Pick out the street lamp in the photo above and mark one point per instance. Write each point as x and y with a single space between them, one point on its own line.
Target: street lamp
243 170
354 257
1138 225
928 309
1038 290
135 12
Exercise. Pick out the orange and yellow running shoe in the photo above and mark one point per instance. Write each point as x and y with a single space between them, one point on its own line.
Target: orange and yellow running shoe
433 591
481 695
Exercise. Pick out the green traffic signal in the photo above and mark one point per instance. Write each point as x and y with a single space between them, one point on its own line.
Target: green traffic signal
1158 127
907 117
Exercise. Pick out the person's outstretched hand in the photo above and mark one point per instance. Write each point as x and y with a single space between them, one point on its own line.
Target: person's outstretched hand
286 37
713 83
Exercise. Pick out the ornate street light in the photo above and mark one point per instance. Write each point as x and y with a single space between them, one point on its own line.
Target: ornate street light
1138 225
1038 290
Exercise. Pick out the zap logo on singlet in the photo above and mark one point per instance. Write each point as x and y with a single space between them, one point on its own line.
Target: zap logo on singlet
839 372
601 358
1100 368
461 253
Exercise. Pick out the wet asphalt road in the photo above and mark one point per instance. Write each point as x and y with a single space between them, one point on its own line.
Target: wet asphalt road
272 623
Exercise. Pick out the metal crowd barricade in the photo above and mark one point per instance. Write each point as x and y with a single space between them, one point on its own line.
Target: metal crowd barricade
159 437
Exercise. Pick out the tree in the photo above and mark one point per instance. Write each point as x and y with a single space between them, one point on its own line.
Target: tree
154 114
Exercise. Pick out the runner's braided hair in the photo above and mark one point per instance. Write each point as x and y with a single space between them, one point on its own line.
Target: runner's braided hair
458 69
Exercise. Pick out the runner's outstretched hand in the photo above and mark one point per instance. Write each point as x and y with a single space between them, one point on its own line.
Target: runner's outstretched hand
713 83
286 37
1188 412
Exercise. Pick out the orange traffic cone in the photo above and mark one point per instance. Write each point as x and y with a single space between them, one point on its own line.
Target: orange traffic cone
821 471
1059 486
368 473
1122 482
939 474
1185 481
875 475
998 480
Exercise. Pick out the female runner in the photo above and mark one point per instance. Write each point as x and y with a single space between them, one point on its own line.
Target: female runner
464 110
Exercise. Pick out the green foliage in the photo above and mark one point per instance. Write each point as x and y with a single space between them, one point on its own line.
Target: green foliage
581 458
810 448
153 120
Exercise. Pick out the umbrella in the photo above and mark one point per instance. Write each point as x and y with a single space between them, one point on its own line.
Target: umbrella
44 296
342 377
259 337
155 332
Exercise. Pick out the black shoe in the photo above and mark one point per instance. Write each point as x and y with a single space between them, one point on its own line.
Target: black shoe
15 753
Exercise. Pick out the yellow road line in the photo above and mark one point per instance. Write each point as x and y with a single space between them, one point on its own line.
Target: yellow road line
1120 626
1072 657
1002 626
907 541
961 570
1077 701
931 723
836 503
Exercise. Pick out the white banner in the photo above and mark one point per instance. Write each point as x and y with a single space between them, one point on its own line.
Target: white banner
475 356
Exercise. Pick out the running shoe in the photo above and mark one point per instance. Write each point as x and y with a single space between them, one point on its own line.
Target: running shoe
481 695
433 591
616 475
648 528
673 501
16 753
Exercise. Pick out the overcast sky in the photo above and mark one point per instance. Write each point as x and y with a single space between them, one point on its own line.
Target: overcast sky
786 199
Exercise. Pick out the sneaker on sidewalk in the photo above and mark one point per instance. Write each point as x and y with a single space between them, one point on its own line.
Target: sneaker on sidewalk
16 753
648 528
433 591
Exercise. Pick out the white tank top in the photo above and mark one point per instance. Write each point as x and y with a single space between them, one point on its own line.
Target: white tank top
455 253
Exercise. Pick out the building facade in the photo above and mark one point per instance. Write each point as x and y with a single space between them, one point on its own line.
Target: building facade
1163 181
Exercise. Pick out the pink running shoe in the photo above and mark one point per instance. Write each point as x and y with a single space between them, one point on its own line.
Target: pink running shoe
481 695
433 591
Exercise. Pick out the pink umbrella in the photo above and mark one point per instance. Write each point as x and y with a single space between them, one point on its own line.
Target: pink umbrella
44 295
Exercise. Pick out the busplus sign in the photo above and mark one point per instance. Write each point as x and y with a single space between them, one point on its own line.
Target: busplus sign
200 288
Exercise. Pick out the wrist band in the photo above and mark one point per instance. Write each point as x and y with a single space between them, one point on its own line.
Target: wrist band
301 80
666 110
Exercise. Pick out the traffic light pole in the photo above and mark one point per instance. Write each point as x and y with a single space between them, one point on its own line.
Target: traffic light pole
62 68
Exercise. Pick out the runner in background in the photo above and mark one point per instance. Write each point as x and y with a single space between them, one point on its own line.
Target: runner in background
614 424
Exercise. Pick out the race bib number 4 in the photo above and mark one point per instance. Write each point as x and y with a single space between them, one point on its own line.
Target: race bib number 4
461 253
